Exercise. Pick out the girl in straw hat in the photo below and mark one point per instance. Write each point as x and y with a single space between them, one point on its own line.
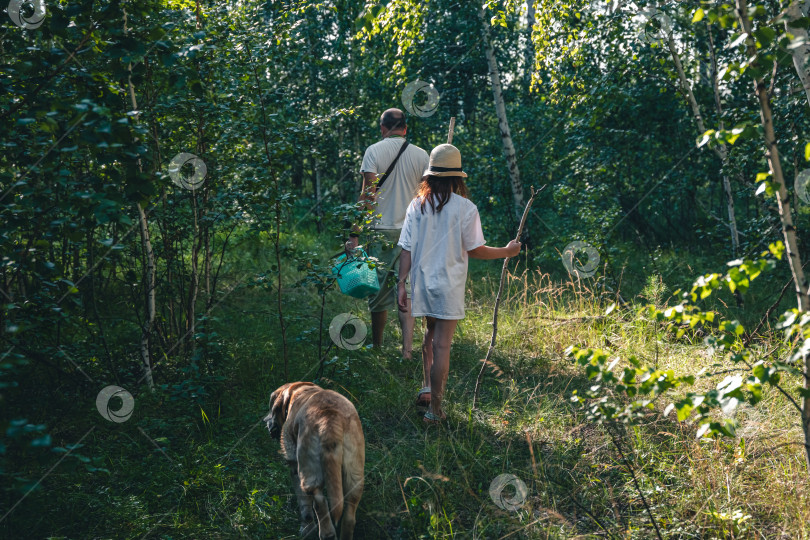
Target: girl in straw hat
442 229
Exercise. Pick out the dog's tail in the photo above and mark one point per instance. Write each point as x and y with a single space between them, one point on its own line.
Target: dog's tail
333 477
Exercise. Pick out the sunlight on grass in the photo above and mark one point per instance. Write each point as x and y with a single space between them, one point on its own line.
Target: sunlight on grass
434 482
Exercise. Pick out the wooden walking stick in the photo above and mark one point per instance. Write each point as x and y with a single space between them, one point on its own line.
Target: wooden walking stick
498 298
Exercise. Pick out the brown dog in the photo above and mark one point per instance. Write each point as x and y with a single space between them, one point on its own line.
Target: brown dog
322 441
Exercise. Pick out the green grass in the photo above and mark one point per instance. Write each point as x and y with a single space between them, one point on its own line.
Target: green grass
194 461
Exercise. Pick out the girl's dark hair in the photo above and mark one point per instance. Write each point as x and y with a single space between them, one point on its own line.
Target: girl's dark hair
436 190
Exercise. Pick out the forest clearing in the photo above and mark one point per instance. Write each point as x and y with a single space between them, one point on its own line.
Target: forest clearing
542 263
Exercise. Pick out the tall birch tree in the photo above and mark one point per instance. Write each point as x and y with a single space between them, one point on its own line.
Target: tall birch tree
503 122
783 202
721 151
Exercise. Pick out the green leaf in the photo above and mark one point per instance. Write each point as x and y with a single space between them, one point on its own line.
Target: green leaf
765 35
699 14
683 411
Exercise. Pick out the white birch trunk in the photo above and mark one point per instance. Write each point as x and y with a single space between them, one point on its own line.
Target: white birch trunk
151 276
194 286
196 243
149 323
720 150
796 10
783 201
318 210
530 54
718 106
503 121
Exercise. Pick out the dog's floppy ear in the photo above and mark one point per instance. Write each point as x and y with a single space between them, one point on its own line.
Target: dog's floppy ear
280 403
278 411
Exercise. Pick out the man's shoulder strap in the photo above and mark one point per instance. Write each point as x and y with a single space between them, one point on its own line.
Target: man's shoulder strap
384 177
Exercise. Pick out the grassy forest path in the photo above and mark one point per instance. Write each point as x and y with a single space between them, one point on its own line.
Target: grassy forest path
435 482
195 460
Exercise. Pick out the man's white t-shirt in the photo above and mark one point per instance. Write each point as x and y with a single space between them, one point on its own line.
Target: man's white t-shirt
401 186
439 243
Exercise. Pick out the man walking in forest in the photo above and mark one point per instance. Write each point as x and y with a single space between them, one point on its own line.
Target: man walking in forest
392 169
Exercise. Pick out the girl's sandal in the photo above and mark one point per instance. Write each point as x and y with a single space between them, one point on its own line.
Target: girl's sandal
423 397
432 419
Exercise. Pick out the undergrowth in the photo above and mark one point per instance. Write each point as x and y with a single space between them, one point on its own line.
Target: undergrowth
194 461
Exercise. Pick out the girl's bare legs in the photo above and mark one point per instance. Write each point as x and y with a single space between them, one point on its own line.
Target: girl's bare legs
427 350
442 336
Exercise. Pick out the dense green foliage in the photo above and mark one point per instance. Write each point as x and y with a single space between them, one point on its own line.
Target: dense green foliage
274 104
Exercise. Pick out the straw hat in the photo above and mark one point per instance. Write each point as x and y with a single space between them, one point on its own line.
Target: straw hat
445 160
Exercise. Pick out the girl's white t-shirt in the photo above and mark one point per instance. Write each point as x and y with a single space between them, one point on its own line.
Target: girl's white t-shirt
439 243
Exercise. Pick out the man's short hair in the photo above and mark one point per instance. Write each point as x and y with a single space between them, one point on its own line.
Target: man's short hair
393 119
